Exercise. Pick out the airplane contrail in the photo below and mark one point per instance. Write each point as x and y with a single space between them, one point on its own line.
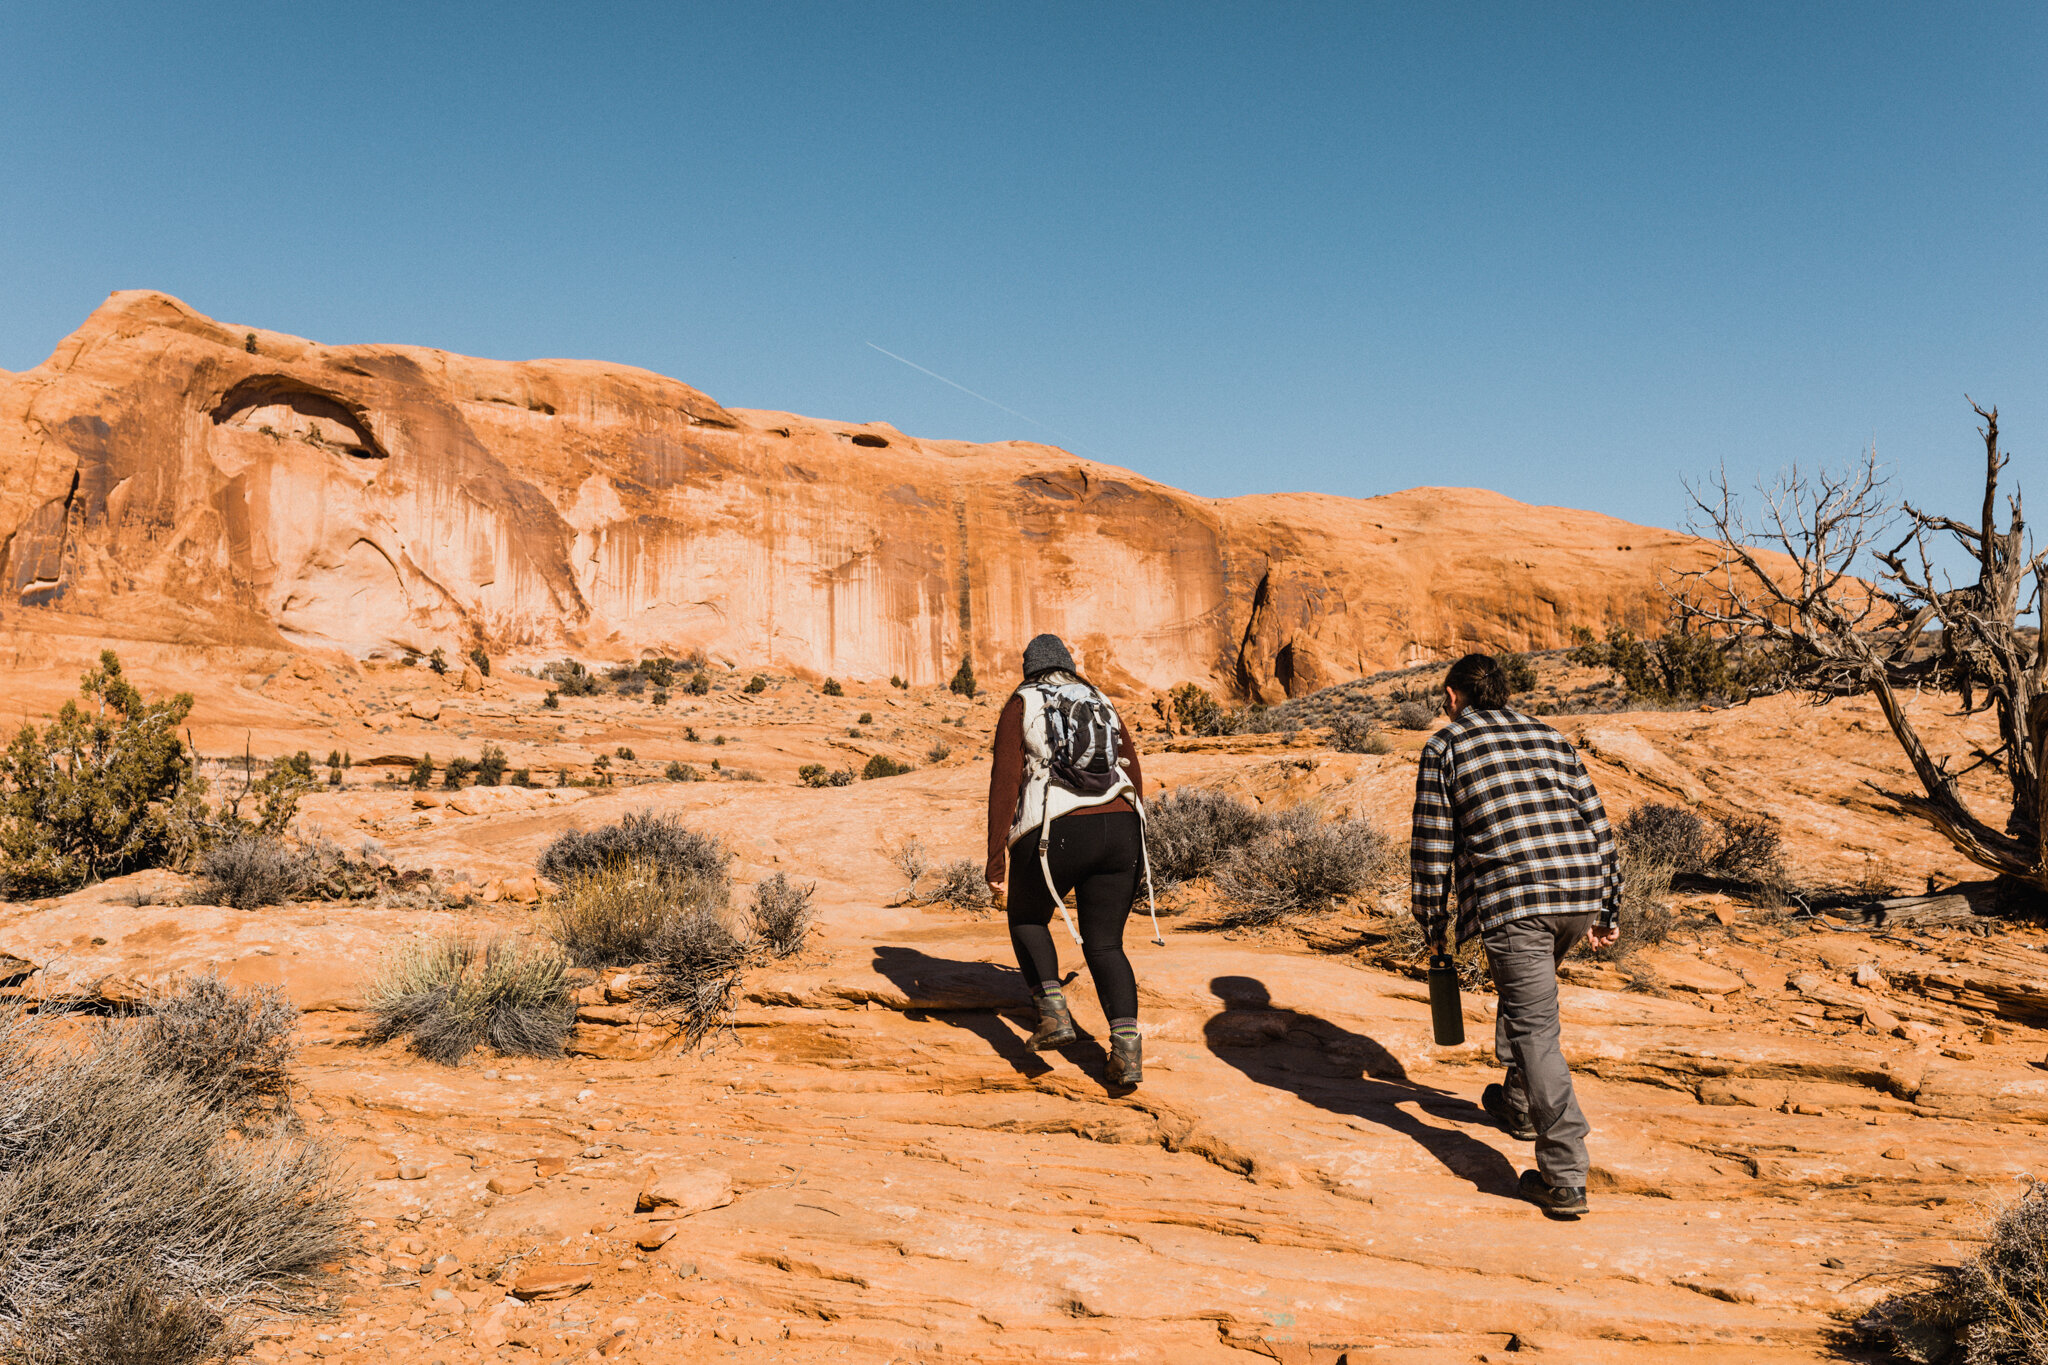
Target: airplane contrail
1071 442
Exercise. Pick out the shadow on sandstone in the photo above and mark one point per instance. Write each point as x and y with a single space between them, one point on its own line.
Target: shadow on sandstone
976 997
1347 1073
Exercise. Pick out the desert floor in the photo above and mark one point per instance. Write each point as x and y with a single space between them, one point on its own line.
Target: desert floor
1789 1114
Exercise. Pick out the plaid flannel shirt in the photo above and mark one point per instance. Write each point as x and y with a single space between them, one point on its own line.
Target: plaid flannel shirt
1504 801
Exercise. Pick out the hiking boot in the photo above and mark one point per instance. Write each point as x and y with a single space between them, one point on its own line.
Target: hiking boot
1055 1026
1557 1201
1512 1121
1126 1060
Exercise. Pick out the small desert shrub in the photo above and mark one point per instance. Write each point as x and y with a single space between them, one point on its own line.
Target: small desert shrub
1355 735
907 855
458 768
522 777
552 701
661 841
881 765
832 688
756 684
1415 715
490 766
614 913
1986 1311
1191 831
1521 673
140 1226
963 684
938 753
1301 863
248 871
896 680
962 886
818 775
782 914
1670 835
438 660
698 685
678 771
699 964
481 660
422 772
1750 853
233 1046
660 697
450 994
1198 712
866 718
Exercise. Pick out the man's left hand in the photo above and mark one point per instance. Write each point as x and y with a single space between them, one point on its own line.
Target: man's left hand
1597 937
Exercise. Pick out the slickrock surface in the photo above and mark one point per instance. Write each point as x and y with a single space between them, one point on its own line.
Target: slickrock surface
176 482
872 1168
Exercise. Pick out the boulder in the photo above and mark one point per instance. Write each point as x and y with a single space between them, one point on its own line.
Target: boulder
539 1283
678 1194
425 708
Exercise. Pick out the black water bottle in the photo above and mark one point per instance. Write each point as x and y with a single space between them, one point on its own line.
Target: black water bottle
1446 1011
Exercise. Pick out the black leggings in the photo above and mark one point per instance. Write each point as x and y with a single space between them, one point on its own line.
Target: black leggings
1100 859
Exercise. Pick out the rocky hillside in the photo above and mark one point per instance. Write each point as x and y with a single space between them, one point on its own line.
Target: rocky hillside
168 478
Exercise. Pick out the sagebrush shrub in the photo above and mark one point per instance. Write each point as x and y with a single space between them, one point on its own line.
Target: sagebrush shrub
1988 1310
1750 852
139 1224
248 871
1670 835
782 914
449 995
234 1046
699 966
818 775
663 842
962 886
1415 715
1301 863
613 914
1192 830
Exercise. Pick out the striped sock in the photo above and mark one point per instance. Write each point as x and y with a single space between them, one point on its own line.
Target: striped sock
1051 994
1123 1028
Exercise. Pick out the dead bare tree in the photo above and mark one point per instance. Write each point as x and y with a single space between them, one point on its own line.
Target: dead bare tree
1838 633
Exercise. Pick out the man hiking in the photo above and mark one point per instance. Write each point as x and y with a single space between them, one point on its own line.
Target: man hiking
1504 800
1064 801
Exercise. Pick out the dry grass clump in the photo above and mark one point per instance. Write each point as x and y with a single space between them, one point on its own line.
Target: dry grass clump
234 1047
614 913
1354 734
662 842
1991 1310
1194 830
449 995
782 914
1301 863
907 855
139 1225
1408 943
699 965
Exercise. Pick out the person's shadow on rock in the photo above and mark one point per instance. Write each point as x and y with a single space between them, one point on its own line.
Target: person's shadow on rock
1346 1073
973 996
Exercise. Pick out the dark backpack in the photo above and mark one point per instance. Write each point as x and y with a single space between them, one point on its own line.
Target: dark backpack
1081 730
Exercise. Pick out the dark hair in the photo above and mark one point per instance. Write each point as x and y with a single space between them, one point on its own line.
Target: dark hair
1482 680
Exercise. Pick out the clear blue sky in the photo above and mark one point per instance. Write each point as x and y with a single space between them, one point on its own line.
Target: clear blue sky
1571 252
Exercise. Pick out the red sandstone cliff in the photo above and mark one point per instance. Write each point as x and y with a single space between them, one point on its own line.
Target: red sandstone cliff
182 479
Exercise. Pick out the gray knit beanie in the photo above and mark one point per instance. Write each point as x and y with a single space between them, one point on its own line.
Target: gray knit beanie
1046 651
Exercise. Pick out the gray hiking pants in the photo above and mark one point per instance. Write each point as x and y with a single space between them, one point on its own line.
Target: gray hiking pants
1524 955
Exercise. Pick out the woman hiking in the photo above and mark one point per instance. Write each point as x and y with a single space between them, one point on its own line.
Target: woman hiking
1065 805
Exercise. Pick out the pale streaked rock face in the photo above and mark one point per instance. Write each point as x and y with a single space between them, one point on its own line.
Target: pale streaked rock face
161 477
